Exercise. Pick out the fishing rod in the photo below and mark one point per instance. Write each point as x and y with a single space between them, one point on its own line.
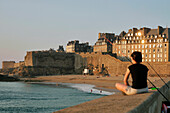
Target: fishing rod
131 62
158 75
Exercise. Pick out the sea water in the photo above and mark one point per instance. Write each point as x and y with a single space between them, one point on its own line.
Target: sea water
20 97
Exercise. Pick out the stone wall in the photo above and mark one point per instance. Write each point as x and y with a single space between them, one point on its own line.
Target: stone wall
8 64
117 67
50 63
154 103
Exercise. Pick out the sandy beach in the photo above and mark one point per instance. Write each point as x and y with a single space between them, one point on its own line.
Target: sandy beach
108 104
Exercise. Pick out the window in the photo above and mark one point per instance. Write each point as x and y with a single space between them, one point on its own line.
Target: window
149 55
149 60
146 46
145 60
150 41
139 46
137 38
165 45
142 55
142 51
153 55
154 50
149 50
154 40
153 60
129 34
153 45
150 46
142 46
165 60
146 51
155 36
165 55
146 55
160 50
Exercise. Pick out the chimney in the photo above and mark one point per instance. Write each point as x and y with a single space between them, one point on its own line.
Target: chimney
160 29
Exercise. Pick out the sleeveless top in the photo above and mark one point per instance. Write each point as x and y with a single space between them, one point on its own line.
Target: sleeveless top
139 75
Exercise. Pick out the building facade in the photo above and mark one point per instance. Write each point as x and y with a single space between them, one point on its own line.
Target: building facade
75 46
102 44
152 43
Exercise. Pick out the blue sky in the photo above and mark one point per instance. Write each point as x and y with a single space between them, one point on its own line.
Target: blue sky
27 25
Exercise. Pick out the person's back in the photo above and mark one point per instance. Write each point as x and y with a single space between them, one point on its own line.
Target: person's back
139 75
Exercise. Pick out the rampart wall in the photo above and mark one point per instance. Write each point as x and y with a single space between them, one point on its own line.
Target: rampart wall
8 64
117 67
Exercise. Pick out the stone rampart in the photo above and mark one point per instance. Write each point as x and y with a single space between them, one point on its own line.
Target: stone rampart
8 64
117 67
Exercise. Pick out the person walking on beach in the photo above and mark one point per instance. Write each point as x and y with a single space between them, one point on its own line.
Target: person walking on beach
139 73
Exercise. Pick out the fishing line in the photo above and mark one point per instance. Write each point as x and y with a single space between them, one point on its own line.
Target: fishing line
147 62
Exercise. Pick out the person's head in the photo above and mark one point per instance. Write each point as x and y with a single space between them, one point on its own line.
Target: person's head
136 57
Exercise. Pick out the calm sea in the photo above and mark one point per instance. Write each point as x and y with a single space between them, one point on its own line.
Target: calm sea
20 97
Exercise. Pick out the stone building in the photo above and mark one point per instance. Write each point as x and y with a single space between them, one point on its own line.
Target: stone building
153 43
75 46
102 44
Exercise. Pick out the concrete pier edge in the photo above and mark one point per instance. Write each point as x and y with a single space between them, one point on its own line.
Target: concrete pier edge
154 102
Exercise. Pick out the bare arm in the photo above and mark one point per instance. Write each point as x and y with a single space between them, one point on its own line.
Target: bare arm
126 77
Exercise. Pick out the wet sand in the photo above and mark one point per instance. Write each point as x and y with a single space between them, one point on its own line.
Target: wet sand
107 104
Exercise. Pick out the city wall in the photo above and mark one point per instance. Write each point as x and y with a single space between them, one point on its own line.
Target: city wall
116 67
46 63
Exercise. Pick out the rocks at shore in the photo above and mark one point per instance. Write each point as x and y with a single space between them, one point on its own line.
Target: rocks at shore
6 78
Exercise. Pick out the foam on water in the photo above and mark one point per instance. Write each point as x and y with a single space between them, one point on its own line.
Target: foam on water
88 88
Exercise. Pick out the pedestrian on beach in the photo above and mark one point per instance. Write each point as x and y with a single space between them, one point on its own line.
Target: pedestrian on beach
138 73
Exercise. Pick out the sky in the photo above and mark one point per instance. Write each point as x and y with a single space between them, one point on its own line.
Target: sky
30 25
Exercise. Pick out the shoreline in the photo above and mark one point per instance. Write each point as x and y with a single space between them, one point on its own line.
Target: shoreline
107 104
88 88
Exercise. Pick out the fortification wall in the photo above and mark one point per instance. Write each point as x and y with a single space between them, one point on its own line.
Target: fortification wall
8 64
117 67
28 59
50 63
21 63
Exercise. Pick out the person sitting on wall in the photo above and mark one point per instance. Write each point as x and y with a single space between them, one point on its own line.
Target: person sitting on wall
139 76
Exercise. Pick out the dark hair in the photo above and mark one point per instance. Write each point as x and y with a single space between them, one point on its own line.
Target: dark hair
137 56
